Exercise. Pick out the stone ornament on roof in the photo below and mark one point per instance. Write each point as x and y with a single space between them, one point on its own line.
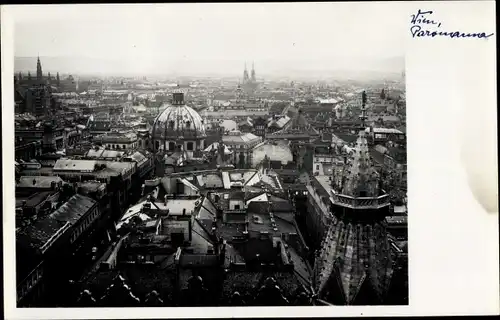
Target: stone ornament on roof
153 299
119 294
86 299
360 177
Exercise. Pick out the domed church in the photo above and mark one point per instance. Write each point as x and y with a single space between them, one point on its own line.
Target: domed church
178 129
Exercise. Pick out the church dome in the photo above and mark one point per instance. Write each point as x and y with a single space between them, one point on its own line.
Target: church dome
178 121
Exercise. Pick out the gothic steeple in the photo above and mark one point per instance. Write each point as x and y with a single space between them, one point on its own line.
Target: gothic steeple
253 73
58 80
39 74
354 265
245 74
360 178
363 116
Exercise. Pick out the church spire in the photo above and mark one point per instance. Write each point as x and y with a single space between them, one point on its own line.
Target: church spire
360 178
245 74
58 80
253 72
39 74
363 116
355 263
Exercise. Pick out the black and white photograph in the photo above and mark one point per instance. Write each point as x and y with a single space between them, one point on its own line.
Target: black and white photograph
210 155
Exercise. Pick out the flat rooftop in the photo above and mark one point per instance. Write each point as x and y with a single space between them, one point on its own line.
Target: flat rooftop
325 183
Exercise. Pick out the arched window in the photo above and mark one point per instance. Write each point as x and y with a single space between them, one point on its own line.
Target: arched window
190 146
188 124
171 146
157 144
171 124
124 146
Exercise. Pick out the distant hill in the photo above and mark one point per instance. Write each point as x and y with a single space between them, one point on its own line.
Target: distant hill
76 65
308 68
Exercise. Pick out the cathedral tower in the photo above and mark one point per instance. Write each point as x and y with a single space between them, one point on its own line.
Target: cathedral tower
253 73
245 74
39 74
355 264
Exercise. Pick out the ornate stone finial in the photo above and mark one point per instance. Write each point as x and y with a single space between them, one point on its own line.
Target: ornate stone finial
86 299
153 299
358 179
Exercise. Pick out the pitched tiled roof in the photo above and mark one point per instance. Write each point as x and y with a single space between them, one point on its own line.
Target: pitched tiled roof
33 200
38 233
76 207
356 255
248 283
237 195
238 139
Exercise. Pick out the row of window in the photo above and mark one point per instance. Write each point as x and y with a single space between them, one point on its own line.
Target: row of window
123 146
384 136
323 159
84 224
171 146
145 258
31 281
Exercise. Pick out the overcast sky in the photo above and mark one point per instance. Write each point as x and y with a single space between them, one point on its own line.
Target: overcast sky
212 37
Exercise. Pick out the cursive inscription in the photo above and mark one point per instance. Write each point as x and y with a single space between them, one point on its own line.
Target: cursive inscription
421 18
421 22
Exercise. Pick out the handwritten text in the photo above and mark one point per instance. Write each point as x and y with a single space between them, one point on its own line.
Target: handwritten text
422 19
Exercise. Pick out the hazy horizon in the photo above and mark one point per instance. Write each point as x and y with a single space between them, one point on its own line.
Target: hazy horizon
213 38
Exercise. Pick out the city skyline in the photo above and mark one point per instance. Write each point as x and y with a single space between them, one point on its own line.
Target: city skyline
211 39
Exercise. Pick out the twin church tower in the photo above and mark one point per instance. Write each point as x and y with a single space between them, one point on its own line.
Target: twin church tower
249 80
